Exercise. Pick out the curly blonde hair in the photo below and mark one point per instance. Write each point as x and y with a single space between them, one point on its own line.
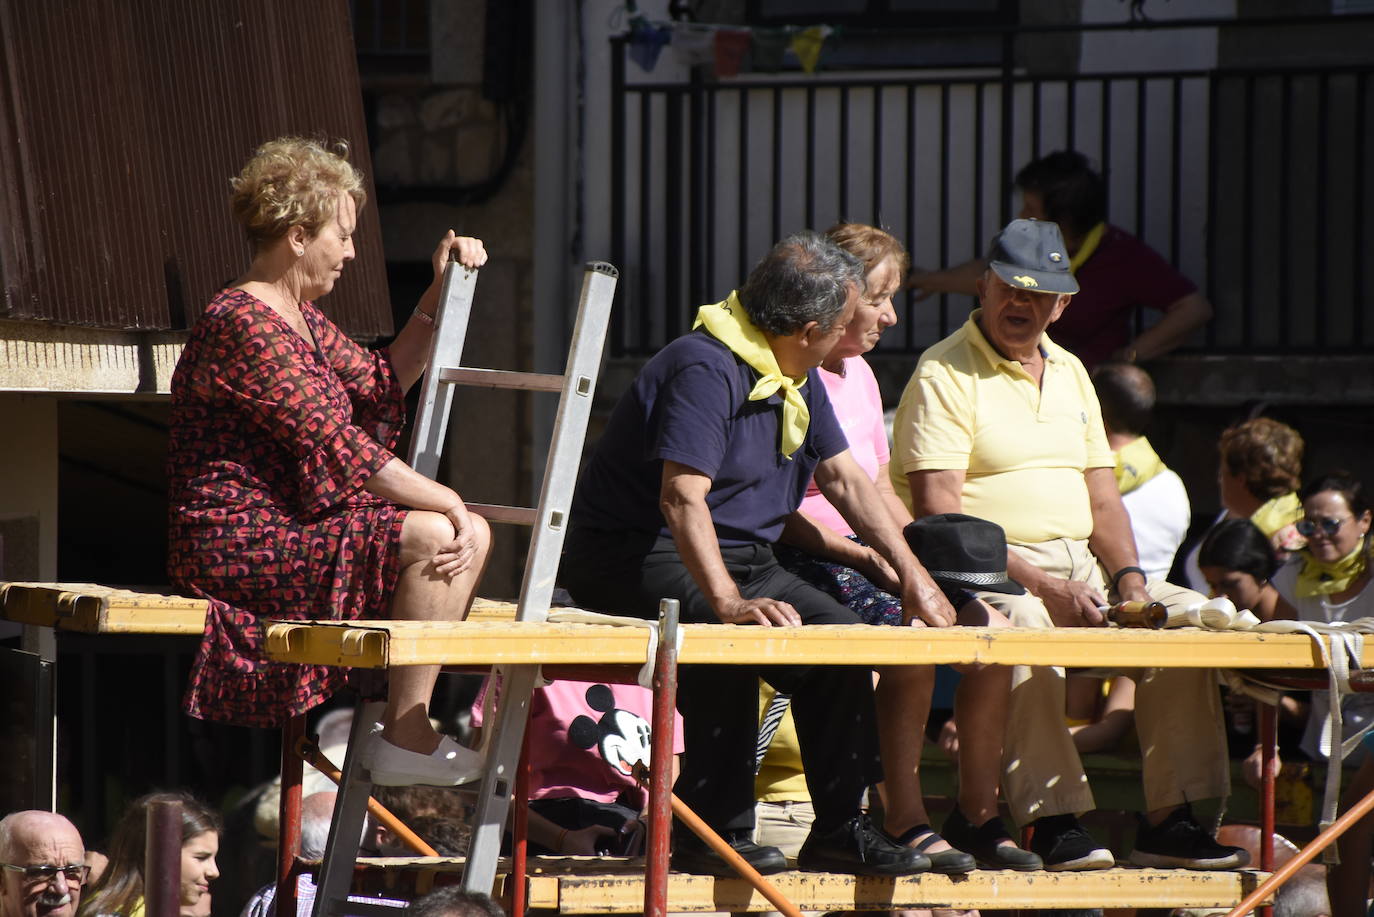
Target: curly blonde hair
1265 454
292 181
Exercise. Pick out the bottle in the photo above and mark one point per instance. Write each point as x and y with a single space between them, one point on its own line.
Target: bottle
1153 615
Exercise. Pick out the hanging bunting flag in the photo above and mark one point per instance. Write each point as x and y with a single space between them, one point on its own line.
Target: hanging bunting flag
807 45
694 44
767 49
646 43
731 46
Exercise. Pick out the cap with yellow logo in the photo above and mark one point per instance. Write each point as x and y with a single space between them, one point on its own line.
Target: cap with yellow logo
1030 255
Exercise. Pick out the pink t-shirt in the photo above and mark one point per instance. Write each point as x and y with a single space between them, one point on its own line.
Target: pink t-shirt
859 406
617 729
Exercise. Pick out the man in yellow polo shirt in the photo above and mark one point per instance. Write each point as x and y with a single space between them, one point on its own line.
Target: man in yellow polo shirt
1000 422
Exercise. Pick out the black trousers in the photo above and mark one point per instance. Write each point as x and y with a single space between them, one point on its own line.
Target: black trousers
628 573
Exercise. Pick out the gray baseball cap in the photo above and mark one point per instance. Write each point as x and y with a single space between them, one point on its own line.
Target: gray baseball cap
1030 255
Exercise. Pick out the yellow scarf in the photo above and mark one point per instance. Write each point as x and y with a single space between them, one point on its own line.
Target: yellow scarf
729 323
1277 513
1136 463
1090 243
1317 578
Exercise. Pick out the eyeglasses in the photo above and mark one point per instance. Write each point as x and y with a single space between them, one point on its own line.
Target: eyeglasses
1308 527
44 875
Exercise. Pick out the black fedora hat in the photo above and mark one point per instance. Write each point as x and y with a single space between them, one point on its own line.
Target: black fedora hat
960 550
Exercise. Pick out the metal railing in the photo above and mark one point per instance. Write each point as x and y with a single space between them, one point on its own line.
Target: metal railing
1250 182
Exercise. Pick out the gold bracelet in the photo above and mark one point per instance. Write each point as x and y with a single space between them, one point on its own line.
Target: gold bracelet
423 316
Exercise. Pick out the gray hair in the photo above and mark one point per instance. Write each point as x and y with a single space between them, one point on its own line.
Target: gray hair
314 838
454 901
1303 896
804 278
6 830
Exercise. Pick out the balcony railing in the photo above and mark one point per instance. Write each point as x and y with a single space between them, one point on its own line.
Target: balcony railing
1251 182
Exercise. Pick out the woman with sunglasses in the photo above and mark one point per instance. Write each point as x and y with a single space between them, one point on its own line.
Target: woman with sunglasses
1328 581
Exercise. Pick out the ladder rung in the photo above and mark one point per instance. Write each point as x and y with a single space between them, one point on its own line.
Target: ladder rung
498 512
501 378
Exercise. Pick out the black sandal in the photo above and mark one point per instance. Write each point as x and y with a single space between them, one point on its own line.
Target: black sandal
948 862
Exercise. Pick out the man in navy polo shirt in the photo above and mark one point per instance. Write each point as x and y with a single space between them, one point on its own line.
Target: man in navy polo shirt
702 460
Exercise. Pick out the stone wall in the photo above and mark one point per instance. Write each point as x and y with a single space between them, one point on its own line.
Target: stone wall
437 137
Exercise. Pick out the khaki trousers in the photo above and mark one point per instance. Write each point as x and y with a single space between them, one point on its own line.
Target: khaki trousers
1177 713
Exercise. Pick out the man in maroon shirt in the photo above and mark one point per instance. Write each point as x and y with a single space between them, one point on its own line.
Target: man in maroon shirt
1116 272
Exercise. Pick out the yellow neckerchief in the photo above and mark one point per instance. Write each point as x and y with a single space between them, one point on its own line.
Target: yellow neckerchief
729 323
138 909
1090 243
1277 513
1136 463
1317 578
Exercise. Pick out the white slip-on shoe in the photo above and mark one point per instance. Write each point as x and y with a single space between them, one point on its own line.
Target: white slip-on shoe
448 765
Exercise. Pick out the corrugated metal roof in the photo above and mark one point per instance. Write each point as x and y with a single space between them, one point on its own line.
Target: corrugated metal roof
121 122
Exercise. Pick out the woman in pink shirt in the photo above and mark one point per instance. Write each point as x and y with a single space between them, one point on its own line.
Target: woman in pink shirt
823 550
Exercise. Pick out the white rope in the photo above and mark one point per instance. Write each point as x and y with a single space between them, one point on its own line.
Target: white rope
1341 646
578 616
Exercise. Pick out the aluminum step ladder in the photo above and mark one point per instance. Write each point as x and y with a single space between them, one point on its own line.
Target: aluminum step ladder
548 523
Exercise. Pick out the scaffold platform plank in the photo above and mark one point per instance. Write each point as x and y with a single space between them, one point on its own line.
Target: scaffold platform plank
588 885
92 609
89 608
378 644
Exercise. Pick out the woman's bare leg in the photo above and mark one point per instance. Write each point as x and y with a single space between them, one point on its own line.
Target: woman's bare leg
980 713
424 595
902 698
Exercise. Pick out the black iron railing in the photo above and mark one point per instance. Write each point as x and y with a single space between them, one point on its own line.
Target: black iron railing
1251 182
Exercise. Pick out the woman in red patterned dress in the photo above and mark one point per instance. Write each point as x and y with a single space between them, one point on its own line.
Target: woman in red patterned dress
286 498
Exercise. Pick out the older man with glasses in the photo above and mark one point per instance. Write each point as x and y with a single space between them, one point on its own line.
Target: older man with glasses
41 868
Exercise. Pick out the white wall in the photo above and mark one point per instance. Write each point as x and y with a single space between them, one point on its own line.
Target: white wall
1180 49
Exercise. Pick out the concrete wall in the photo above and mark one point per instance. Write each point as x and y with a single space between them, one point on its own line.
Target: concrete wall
440 133
28 490
28 487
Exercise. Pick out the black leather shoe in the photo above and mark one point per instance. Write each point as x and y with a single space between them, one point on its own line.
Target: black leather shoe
985 843
691 855
857 848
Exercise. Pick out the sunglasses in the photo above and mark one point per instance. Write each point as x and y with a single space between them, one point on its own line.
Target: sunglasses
1308 527
44 875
